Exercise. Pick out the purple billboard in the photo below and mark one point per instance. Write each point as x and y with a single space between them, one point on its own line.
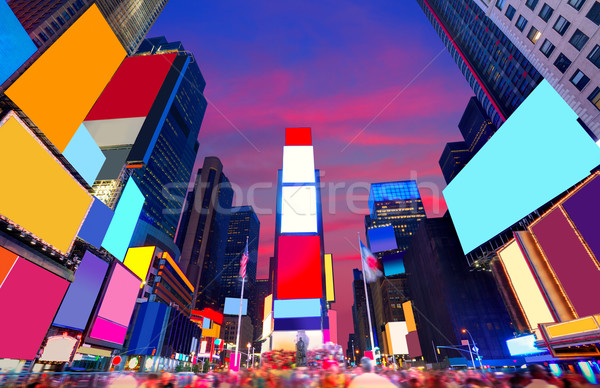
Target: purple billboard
583 210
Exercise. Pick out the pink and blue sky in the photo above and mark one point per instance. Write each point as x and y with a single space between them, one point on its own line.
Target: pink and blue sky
372 80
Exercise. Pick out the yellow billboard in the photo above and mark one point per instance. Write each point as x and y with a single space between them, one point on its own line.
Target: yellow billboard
60 88
329 285
138 260
409 316
38 193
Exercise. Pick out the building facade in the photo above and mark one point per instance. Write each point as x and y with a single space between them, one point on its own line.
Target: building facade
455 156
561 39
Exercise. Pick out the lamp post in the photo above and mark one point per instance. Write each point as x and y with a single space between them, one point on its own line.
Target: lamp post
476 350
248 356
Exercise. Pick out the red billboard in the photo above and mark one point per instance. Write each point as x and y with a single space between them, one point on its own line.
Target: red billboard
300 270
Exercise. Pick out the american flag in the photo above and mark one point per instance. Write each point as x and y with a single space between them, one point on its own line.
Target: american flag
371 267
244 262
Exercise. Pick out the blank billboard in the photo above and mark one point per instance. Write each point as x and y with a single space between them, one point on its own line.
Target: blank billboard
329 283
24 326
414 345
524 160
524 285
298 164
232 306
522 345
583 211
297 308
268 309
139 259
299 267
298 209
573 265
15 46
58 348
148 325
382 239
306 323
286 340
393 264
53 205
120 296
96 223
123 223
396 332
69 77
81 296
83 153
298 137
409 316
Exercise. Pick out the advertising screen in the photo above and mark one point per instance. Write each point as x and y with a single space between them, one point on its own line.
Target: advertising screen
123 223
584 213
21 336
268 306
571 262
83 153
232 306
298 137
80 298
329 283
120 296
298 209
298 164
286 340
306 323
267 325
523 283
148 325
333 326
296 308
522 345
106 330
409 316
382 239
53 215
139 259
16 46
96 223
393 264
414 346
58 348
70 74
299 267
396 332
541 128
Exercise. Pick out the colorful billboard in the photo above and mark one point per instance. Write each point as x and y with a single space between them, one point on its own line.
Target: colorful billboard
305 323
393 264
298 137
268 309
139 260
84 155
53 205
409 316
58 348
297 308
68 77
583 211
523 283
329 283
299 209
148 325
299 263
522 345
541 128
232 306
396 335
382 239
298 164
573 264
81 296
23 328
96 223
16 46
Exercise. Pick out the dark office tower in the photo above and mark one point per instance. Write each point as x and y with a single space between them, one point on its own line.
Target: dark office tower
450 297
456 155
475 126
359 314
261 291
46 20
496 70
272 274
202 233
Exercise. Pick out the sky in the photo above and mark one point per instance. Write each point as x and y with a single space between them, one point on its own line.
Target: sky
373 81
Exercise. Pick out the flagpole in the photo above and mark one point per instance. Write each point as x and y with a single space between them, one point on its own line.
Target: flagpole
362 262
237 339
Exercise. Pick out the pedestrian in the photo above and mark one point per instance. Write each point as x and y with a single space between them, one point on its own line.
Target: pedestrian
539 377
152 381
368 378
167 380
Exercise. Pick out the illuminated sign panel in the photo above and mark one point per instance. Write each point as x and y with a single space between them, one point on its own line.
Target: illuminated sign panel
523 283
393 264
298 137
268 306
333 326
22 334
583 211
54 215
58 348
571 262
414 346
16 46
120 296
268 324
123 223
72 73
382 239
148 325
80 298
329 284
541 128
296 308
286 340
409 316
298 164
83 153
96 223
232 306
522 345
106 330
299 274
397 332
305 323
138 260
298 209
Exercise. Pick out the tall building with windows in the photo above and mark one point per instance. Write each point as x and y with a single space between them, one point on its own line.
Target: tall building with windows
455 156
562 40
495 68
203 231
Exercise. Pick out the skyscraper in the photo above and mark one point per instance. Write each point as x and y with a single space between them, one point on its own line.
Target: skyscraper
496 70
561 39
455 156
203 230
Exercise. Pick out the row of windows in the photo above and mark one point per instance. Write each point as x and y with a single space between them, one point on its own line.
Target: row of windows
60 21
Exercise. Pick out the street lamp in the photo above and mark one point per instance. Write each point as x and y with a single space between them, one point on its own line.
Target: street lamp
248 356
474 348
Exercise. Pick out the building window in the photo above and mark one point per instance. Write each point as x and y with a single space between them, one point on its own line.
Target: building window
579 79
531 4
71 12
43 36
500 4
562 63
561 25
547 48
66 15
521 23
510 12
546 12
577 4
578 40
60 20
55 25
594 13
594 56
595 98
534 35
37 42
49 30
